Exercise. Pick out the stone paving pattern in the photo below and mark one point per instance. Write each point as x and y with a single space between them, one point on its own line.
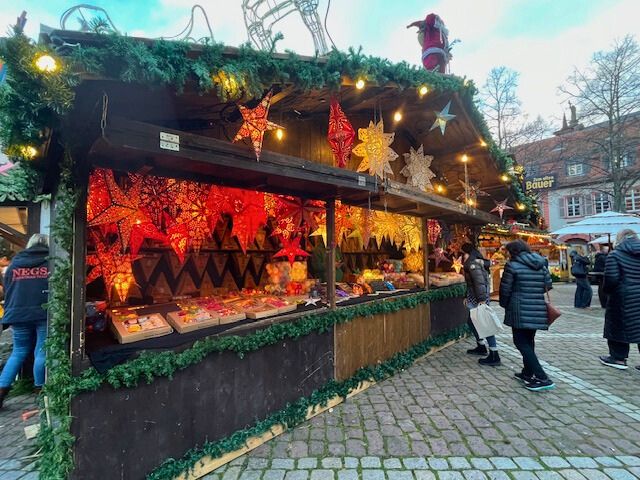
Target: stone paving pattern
448 418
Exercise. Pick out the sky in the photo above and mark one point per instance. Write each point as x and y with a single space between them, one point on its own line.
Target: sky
541 39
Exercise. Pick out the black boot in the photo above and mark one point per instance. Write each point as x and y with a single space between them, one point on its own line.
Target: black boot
3 394
492 360
479 350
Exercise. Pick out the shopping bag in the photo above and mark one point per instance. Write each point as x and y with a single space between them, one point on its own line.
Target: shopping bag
486 321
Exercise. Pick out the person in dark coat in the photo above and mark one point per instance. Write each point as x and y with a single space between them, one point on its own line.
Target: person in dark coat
26 284
598 268
579 269
622 285
522 289
476 274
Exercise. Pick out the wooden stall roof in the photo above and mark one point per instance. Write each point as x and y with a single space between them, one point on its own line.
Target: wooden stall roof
192 115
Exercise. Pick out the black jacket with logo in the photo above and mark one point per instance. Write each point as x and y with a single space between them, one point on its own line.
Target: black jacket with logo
26 284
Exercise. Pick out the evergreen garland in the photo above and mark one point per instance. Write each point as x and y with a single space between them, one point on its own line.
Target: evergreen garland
296 413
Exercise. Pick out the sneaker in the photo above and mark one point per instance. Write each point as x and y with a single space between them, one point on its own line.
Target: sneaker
612 362
536 385
522 377
479 350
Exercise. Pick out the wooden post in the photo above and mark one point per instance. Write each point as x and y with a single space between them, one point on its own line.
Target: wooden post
425 251
331 252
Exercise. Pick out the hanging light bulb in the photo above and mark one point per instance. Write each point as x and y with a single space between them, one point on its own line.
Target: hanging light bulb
504 177
279 134
521 206
483 143
440 188
464 158
397 116
423 90
360 84
46 63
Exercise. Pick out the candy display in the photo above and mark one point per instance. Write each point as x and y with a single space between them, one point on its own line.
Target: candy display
129 327
287 279
192 317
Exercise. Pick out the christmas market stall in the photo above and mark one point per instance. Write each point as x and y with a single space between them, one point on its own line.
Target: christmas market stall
240 237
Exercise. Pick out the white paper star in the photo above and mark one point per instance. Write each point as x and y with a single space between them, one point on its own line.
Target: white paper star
501 207
311 301
417 169
442 118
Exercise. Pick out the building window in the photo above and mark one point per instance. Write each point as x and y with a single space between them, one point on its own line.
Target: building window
532 171
632 200
575 169
574 206
601 202
627 160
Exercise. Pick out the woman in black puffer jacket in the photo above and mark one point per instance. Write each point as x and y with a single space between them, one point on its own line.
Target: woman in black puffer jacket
621 282
522 291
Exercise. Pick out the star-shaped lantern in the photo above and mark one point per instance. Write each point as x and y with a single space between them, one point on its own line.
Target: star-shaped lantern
362 225
411 232
113 266
301 212
417 169
457 264
178 237
501 207
341 134
375 150
156 195
433 231
143 230
387 225
344 223
442 117
246 207
195 212
473 188
256 123
291 249
439 256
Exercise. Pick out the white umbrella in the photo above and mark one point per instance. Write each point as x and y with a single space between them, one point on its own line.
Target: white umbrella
606 223
603 240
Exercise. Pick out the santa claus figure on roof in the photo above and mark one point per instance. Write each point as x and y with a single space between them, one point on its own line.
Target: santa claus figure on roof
433 38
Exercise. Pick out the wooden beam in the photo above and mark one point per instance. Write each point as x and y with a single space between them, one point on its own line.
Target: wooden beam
425 251
285 92
331 253
13 235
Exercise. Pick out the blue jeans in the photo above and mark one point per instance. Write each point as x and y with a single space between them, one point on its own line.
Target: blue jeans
491 341
24 338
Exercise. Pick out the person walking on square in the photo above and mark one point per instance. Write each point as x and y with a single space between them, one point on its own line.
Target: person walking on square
598 267
476 274
522 289
622 285
579 269
26 286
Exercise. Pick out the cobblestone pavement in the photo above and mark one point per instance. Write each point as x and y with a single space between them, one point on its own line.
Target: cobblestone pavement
448 418
16 461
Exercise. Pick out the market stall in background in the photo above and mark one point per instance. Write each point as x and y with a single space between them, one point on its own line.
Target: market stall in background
249 235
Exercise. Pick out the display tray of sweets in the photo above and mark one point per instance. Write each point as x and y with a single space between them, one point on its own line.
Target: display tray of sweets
283 305
192 316
226 312
130 327
254 308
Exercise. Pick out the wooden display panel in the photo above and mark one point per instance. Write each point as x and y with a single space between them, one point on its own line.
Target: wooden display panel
369 340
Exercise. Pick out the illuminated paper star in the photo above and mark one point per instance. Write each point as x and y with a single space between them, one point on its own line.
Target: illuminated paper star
301 211
291 249
387 225
256 123
474 192
433 231
411 232
375 150
362 225
195 212
439 256
113 266
417 169
156 195
4 168
501 207
344 223
178 237
341 134
442 118
457 264
143 230
246 207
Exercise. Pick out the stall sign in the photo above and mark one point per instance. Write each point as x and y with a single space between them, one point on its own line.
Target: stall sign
540 183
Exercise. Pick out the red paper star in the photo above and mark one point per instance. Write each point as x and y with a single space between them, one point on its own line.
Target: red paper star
156 195
301 211
256 123
341 134
433 231
291 249
178 237
195 212
246 207
143 230
113 266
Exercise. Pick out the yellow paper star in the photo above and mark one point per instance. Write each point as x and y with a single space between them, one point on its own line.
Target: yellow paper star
375 150
417 169
411 232
387 225
457 264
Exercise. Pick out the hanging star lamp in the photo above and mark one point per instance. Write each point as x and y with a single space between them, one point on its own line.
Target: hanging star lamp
177 237
411 232
501 207
195 213
457 264
343 220
362 220
433 231
442 117
156 195
375 151
439 255
256 123
113 266
302 212
142 231
291 249
103 190
341 134
387 225
417 169
246 208
474 190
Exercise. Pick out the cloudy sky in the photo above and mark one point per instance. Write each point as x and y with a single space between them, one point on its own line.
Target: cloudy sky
542 39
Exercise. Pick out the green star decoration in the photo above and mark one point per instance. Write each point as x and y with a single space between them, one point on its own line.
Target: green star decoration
417 169
442 118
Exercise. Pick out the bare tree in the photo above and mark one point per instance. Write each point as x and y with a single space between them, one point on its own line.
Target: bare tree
500 104
607 91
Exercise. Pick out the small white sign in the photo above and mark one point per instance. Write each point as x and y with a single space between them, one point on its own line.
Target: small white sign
362 181
169 146
170 137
